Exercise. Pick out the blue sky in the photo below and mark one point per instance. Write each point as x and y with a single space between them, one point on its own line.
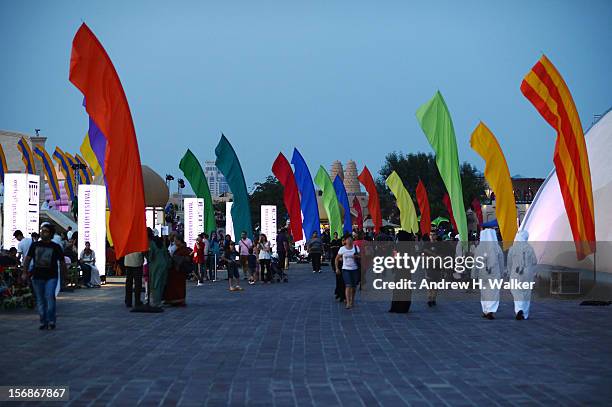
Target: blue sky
337 79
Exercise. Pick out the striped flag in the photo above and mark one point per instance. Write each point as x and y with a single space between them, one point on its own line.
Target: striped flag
88 171
49 171
3 166
544 87
69 181
26 155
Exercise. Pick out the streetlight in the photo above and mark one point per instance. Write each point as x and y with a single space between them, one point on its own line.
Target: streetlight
169 178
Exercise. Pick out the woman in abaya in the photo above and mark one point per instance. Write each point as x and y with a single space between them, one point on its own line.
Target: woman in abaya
402 299
521 268
176 287
159 262
335 245
492 257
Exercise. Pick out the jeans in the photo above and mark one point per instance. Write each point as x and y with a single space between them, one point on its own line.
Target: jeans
45 299
133 284
316 261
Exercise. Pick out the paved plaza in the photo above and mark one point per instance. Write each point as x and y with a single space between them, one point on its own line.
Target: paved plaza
291 344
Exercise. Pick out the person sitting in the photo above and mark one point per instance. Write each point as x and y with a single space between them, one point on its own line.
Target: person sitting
87 260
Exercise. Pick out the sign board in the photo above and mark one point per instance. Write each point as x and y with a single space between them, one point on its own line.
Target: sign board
154 217
268 224
92 222
229 224
21 206
193 220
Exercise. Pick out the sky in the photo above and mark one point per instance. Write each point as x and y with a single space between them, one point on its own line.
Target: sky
339 80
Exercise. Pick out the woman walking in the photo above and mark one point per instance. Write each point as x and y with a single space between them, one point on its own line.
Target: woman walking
334 246
265 257
315 250
349 256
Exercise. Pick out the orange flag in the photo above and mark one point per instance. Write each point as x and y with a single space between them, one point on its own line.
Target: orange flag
547 91
373 201
92 71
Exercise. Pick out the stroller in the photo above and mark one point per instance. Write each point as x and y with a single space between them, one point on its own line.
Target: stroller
278 274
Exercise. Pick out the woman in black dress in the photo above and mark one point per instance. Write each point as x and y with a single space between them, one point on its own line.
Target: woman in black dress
335 245
402 299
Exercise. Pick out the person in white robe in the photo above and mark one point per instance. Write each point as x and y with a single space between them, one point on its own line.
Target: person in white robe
521 268
492 257
88 257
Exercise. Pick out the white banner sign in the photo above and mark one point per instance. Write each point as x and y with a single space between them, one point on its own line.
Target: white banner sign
92 222
194 220
268 224
21 206
229 224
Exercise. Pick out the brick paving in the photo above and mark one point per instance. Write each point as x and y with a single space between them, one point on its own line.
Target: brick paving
291 344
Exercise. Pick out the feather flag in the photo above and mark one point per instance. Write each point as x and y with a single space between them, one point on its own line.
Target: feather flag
227 162
81 175
357 207
330 201
449 208
89 156
283 172
344 203
192 169
423 201
478 210
49 171
308 198
93 73
408 216
26 156
497 175
3 166
66 169
545 88
373 201
87 171
436 122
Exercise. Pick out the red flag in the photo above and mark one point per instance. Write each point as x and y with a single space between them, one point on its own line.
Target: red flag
282 170
477 209
357 207
93 73
373 202
449 208
421 194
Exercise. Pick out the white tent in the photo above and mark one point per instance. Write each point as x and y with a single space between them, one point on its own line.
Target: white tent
547 222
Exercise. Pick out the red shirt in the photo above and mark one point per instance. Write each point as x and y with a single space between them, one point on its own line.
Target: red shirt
198 253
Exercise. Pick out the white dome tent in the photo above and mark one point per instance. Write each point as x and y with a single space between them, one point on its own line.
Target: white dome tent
547 222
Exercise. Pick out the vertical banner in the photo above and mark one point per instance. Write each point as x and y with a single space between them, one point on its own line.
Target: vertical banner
268 224
229 223
92 222
193 219
21 206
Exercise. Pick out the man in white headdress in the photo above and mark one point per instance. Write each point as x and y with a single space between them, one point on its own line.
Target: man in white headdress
521 268
492 257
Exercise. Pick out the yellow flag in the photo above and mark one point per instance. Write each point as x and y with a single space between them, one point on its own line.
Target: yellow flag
408 216
498 176
90 156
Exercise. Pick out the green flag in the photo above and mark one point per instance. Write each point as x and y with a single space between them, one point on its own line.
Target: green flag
193 172
437 125
330 201
227 162
408 216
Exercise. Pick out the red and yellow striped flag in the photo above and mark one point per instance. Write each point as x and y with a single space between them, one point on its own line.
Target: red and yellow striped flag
547 91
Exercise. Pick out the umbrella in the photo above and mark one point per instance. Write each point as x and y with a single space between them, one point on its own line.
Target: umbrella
438 220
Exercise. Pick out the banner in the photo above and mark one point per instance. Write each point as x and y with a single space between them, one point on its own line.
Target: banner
21 206
357 207
344 203
268 224
229 222
3 166
69 180
92 222
330 201
291 198
373 201
408 216
49 171
308 199
193 219
423 201
195 176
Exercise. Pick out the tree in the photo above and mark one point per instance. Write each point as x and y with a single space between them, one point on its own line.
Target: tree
412 167
269 192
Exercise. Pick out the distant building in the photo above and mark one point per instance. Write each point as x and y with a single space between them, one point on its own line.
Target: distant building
216 181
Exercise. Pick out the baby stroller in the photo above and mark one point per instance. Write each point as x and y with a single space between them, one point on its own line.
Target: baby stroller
278 274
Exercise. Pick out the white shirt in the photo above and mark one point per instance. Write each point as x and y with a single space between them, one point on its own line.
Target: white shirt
134 260
69 234
24 247
264 252
348 261
172 248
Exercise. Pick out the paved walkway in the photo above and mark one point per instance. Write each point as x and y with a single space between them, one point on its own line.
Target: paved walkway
291 344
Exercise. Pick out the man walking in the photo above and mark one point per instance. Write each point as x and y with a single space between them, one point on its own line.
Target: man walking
245 248
48 260
282 248
23 246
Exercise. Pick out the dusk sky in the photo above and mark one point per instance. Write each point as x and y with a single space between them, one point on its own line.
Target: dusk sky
336 79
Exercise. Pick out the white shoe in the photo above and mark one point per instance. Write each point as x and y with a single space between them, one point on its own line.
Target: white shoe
314 271
199 284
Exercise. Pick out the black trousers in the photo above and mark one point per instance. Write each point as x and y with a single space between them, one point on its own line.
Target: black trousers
264 267
281 259
133 285
316 261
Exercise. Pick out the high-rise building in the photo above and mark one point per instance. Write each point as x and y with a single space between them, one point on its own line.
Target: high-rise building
216 181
